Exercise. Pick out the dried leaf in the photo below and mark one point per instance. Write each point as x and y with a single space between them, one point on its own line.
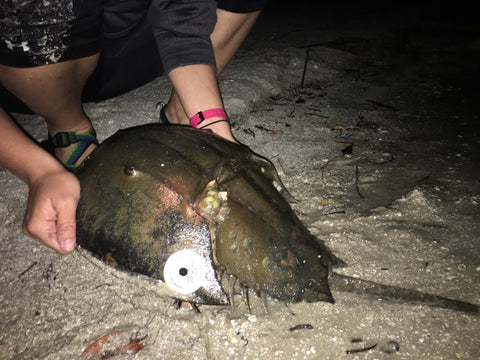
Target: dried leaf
324 202
113 344
97 346
324 165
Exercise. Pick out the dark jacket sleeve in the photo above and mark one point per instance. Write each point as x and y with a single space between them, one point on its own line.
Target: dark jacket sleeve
182 30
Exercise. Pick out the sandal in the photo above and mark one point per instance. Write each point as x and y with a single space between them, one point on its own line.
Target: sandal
163 118
64 139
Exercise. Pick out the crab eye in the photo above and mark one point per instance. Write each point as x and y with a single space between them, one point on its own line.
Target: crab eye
185 271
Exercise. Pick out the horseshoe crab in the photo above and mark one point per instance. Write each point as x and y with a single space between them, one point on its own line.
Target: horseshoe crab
183 205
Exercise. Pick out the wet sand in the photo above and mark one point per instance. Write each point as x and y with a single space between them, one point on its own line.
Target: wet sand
372 124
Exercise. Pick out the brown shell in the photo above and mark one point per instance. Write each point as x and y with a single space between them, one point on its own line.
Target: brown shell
153 190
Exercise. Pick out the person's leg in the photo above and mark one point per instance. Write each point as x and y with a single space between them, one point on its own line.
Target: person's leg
48 62
229 33
54 92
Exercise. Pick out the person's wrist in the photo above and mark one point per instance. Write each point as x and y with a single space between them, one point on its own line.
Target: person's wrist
41 166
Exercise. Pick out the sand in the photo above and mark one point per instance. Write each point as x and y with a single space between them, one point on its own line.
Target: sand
369 116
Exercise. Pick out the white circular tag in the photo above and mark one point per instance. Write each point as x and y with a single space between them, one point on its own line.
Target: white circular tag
185 271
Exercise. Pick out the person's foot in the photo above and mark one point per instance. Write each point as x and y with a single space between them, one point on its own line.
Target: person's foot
73 146
173 114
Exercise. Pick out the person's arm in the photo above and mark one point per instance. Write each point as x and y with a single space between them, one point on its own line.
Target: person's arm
53 191
197 88
182 29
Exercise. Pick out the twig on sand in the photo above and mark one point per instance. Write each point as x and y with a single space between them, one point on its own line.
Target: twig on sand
355 351
27 269
377 103
307 56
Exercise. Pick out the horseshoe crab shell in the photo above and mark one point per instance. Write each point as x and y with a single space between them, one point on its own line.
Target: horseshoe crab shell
181 205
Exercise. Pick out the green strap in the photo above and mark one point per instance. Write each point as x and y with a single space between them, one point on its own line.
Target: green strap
82 141
64 139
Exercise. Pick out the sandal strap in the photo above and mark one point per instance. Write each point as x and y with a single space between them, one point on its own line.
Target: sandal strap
83 141
64 139
163 117
213 122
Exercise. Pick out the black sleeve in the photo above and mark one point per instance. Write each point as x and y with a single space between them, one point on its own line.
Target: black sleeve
182 30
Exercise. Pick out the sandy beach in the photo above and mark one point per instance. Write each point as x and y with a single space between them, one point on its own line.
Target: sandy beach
370 116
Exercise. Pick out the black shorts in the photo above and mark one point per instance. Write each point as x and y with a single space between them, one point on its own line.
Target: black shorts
119 28
35 34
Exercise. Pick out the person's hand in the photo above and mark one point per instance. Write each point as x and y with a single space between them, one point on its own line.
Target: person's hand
54 192
51 209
